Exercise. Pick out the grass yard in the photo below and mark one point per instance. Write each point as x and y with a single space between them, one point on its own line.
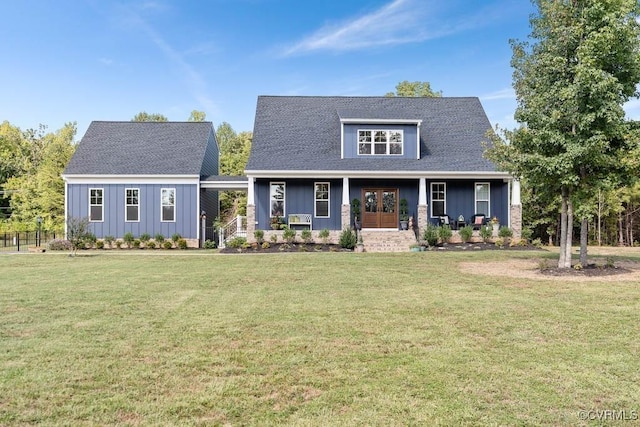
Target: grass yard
310 339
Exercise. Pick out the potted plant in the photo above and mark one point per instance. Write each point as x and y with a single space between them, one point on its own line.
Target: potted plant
276 222
404 214
355 210
495 225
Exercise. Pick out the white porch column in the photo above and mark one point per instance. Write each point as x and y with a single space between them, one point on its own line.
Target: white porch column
515 211
423 212
250 191
515 192
346 204
422 192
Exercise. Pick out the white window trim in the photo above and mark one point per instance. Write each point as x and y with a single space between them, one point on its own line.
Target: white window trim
476 200
175 202
316 200
388 143
127 205
284 197
431 196
101 205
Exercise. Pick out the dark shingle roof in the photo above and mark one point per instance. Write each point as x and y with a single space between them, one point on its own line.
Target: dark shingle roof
141 148
303 133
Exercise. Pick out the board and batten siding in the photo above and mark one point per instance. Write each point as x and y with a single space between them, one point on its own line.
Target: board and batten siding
409 149
114 224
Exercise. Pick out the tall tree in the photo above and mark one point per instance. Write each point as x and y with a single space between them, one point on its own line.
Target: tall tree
414 89
571 80
234 153
197 116
38 189
143 116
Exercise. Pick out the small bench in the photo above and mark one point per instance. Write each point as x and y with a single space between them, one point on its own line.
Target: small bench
299 219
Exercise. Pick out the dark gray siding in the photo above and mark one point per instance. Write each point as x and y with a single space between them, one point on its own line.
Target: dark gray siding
211 157
461 198
186 222
351 140
299 198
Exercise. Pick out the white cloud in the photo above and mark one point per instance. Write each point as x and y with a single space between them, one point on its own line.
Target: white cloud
195 82
399 22
632 109
506 93
105 61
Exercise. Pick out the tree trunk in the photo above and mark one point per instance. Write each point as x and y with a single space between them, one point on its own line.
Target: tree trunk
599 223
620 231
584 239
566 230
569 241
563 230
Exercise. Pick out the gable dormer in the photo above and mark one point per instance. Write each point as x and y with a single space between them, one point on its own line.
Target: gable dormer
371 134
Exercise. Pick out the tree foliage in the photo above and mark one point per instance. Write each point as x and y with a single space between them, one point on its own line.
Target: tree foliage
35 186
143 116
571 82
414 89
234 153
197 116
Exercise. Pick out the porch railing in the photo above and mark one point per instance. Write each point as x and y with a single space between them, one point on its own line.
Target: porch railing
237 227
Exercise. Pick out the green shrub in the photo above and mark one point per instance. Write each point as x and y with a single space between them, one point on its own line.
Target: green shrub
324 235
265 245
259 236
347 239
175 238
159 238
59 245
505 232
128 239
118 243
486 232
431 234
150 245
167 244
100 244
289 235
90 240
306 236
144 238
109 241
182 243
209 244
236 242
445 233
136 243
465 233
527 233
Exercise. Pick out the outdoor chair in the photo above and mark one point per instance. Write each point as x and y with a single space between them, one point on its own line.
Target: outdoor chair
477 221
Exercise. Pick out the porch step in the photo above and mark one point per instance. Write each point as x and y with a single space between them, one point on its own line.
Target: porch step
387 240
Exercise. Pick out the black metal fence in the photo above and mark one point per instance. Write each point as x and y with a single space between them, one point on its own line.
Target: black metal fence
20 241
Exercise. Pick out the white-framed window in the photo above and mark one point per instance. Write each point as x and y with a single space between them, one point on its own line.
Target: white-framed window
482 194
438 199
132 204
277 193
322 199
380 142
168 205
96 204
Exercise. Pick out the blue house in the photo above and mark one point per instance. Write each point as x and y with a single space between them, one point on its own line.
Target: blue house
144 177
312 156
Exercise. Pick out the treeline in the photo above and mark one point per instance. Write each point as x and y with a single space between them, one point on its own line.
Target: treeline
32 163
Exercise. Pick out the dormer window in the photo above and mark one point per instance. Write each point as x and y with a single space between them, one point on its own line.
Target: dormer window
380 142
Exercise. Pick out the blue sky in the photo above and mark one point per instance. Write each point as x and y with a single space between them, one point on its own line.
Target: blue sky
85 60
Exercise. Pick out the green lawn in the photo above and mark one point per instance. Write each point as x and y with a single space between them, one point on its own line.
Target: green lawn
308 339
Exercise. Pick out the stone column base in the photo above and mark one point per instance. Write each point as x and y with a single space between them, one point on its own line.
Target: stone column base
423 219
516 222
251 222
346 216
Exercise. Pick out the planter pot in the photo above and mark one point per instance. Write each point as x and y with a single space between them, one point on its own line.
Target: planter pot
404 225
495 228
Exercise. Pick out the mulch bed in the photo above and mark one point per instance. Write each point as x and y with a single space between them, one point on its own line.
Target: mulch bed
285 247
481 246
592 270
